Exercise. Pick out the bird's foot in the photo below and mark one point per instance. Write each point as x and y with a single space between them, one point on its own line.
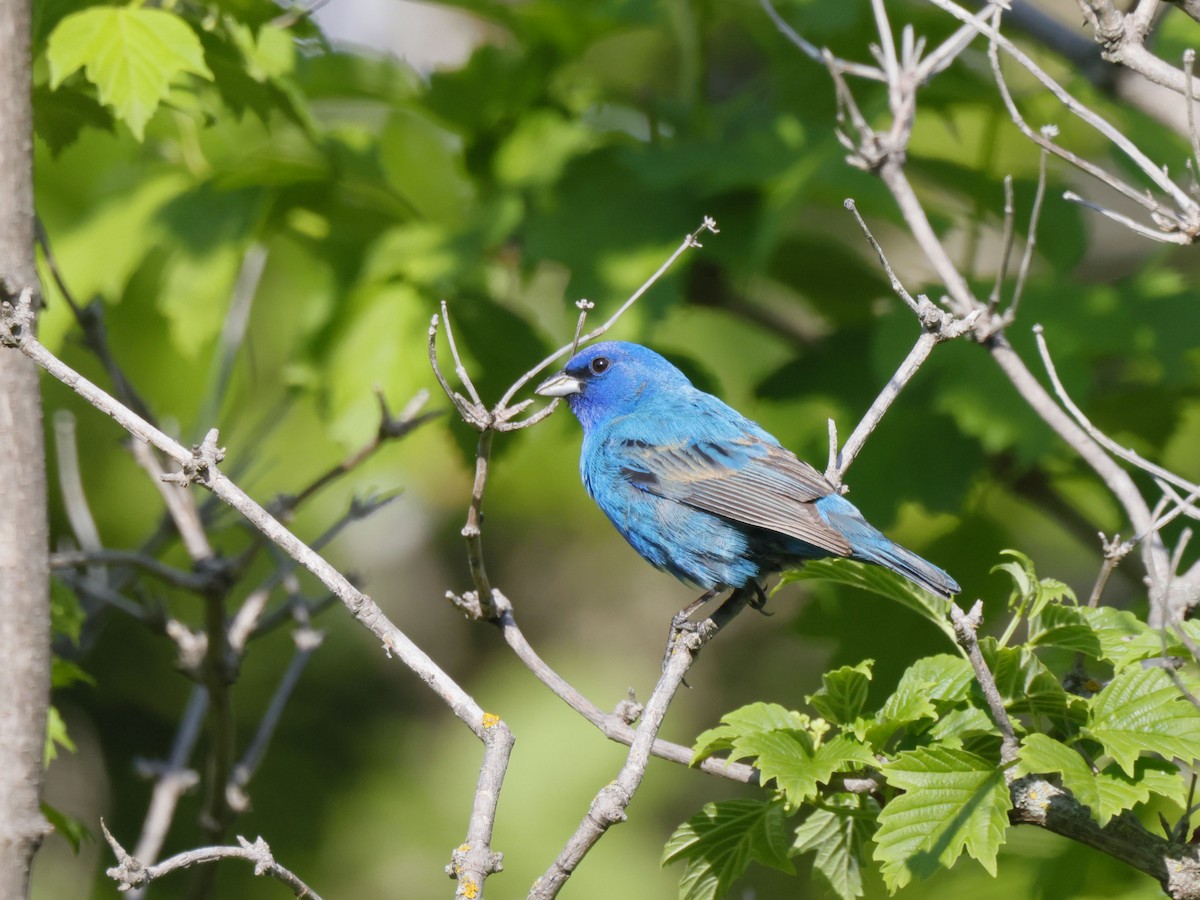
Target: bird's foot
681 622
759 601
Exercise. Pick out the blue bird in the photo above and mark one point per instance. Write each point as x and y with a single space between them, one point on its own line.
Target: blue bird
701 491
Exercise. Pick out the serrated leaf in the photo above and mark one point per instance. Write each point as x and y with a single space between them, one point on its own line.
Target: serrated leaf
1119 792
878 581
721 840
1143 710
843 693
1024 682
839 840
789 758
967 720
131 54
933 679
1124 638
953 801
1066 627
1043 755
751 719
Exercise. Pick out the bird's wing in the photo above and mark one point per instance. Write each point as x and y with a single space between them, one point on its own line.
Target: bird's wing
744 479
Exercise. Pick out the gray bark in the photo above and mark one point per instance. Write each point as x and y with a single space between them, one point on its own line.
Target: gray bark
24 579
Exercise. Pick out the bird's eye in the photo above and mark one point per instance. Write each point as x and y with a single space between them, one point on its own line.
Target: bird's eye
599 365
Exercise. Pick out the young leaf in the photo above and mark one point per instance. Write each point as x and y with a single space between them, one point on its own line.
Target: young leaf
1124 638
843 693
720 841
839 840
56 736
941 678
1066 627
131 53
877 581
953 800
1142 709
751 719
1043 755
1024 681
1119 792
798 769
71 829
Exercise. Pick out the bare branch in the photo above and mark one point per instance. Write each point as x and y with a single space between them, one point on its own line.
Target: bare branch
130 872
616 727
810 50
608 808
200 465
965 627
1005 247
709 225
173 780
912 363
1030 240
307 641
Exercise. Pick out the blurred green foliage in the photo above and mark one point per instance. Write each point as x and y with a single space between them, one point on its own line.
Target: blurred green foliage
563 159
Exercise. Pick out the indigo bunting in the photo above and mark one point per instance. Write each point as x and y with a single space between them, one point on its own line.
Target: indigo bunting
699 490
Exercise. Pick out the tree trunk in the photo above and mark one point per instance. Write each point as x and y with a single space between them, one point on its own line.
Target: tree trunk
24 579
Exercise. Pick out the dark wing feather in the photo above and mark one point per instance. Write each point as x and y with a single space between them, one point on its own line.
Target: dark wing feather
748 481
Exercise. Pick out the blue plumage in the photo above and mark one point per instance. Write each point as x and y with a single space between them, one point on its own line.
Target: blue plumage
701 491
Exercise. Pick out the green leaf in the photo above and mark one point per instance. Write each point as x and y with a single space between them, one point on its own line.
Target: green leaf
1043 755
59 116
66 612
878 581
1066 627
74 831
423 162
843 693
721 840
1105 793
1119 792
754 718
64 673
1143 710
1024 681
132 54
1030 594
838 838
56 736
790 759
953 800
933 679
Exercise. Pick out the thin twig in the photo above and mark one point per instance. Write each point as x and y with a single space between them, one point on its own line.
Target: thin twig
131 872
615 727
307 641
897 284
233 334
812 52
908 368
200 466
173 779
75 502
1030 240
608 807
965 627
1005 247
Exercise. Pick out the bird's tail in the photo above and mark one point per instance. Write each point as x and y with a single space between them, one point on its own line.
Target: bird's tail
869 544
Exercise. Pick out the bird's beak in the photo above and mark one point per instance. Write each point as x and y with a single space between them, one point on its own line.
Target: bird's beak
560 385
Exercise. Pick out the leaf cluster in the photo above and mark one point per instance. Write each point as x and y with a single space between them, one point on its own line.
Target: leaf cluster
913 784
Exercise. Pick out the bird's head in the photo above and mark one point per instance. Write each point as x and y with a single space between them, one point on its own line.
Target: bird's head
611 379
